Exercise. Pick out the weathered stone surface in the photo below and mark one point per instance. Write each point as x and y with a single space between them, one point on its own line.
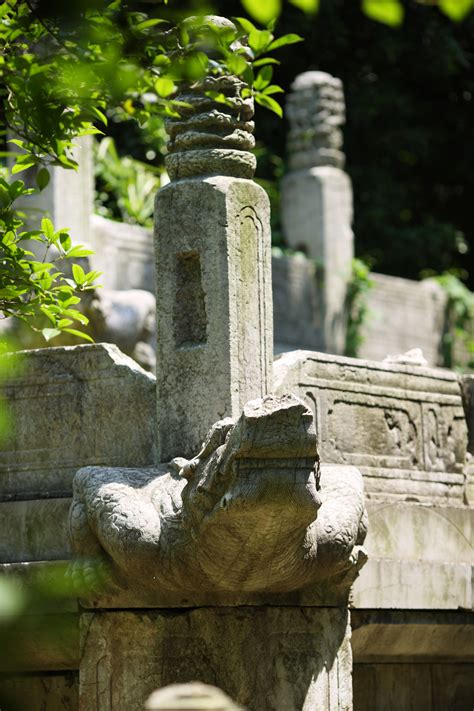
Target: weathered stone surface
267 658
403 314
316 202
250 513
297 307
124 253
194 696
317 218
413 585
412 636
406 687
403 427
214 317
316 111
211 137
34 530
71 407
40 692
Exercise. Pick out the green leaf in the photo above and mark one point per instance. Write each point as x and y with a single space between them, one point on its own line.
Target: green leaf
42 178
47 228
308 6
390 12
50 333
264 61
263 79
269 103
259 40
245 24
236 64
285 40
80 334
79 251
264 11
78 274
148 23
18 167
164 87
456 9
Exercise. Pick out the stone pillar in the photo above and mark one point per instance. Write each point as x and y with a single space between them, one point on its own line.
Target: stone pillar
267 658
212 239
317 195
68 199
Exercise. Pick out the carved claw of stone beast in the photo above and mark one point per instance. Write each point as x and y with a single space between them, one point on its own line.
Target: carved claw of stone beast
249 513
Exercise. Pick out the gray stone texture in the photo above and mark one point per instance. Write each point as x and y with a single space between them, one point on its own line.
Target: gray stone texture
316 196
402 426
297 304
250 513
124 253
215 317
403 314
316 111
317 218
406 687
71 407
266 659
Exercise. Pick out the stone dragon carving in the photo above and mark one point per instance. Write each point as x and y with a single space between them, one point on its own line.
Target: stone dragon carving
254 511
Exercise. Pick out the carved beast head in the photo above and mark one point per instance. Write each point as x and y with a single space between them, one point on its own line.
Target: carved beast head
253 485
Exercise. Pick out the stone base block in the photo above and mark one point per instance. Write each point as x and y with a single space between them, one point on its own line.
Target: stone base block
265 658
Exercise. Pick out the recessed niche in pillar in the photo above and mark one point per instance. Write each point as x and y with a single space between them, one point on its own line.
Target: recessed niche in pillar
190 322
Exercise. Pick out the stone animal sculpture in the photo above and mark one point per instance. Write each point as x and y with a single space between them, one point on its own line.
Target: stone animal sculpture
252 512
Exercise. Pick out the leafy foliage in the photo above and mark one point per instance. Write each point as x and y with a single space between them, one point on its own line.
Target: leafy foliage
356 306
127 186
61 70
459 330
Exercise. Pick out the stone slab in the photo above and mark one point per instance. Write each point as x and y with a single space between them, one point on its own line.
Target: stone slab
40 692
402 426
413 585
409 687
297 304
267 659
412 636
403 314
413 532
70 407
214 318
124 253
317 217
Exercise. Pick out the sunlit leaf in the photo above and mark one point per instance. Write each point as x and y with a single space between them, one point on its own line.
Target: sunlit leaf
49 333
456 9
264 11
285 40
390 12
309 6
269 103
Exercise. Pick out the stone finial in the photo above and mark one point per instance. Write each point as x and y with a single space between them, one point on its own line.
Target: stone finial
212 137
190 697
316 111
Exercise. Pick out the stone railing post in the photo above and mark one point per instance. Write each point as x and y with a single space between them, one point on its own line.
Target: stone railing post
212 239
317 194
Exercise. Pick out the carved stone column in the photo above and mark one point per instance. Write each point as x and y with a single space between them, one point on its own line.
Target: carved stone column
231 567
212 237
317 195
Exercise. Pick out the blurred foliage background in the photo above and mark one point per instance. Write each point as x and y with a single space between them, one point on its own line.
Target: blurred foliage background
408 139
